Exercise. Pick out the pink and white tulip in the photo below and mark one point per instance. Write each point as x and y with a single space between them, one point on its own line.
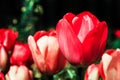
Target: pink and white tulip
46 52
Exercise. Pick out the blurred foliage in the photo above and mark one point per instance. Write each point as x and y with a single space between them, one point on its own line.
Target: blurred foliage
69 73
26 25
116 43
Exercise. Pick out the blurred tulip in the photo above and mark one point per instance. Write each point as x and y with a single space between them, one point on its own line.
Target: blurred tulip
111 65
19 73
117 33
92 72
7 38
3 59
82 38
46 53
21 54
2 77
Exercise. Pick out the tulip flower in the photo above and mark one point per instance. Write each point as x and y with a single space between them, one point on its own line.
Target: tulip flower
19 73
46 52
2 77
3 59
21 54
82 38
117 33
7 38
92 72
110 69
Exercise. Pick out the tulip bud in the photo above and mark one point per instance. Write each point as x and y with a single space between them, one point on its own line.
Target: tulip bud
21 54
92 73
19 73
46 52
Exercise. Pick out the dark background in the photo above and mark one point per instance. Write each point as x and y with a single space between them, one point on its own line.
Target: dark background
108 10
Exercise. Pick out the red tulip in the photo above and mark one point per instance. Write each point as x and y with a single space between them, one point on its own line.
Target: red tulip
110 69
19 73
7 38
117 33
3 58
46 53
21 54
82 38
2 76
92 72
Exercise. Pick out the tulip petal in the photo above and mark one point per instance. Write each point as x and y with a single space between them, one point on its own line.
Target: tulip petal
42 44
23 73
73 20
3 58
54 57
109 51
93 18
13 70
69 17
69 43
93 42
92 72
86 22
106 59
39 34
51 59
76 22
36 54
103 40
